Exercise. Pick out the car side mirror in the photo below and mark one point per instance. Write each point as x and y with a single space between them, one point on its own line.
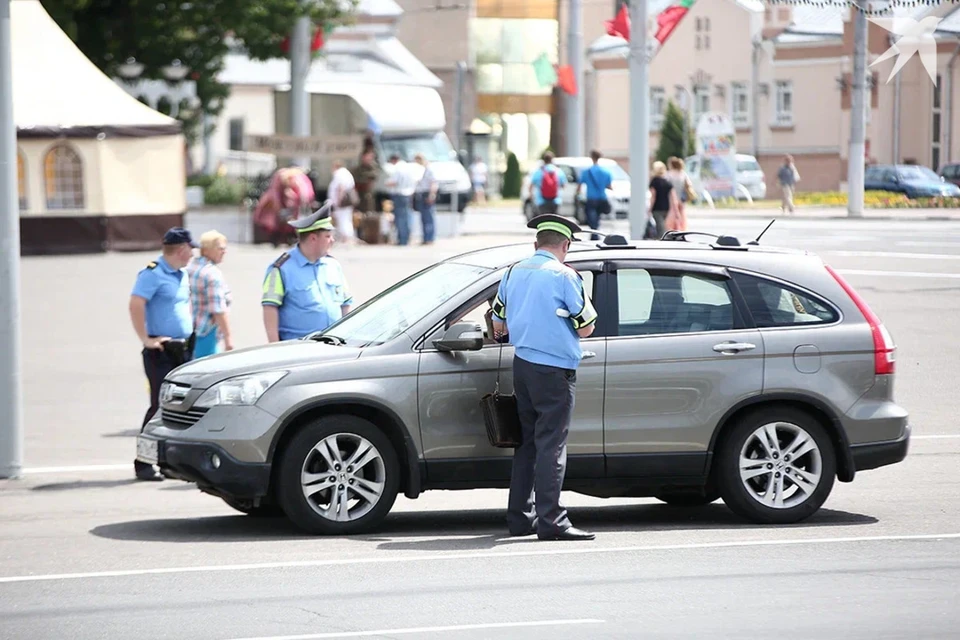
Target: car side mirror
462 336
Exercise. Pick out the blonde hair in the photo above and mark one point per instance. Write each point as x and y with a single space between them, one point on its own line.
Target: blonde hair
659 169
676 163
210 239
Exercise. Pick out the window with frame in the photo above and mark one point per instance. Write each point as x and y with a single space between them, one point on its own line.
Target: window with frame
773 304
63 177
236 134
784 103
740 103
654 302
658 106
21 181
701 102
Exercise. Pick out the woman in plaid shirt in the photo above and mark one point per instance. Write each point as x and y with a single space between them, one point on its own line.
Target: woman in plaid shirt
210 296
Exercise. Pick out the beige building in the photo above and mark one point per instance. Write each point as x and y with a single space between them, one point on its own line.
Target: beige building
804 64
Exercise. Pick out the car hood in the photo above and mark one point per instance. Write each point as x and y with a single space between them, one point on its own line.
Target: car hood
205 372
620 187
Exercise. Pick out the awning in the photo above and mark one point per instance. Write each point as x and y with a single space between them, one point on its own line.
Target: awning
392 109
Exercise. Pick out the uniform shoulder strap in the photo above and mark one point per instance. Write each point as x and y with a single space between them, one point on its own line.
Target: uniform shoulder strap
281 260
152 264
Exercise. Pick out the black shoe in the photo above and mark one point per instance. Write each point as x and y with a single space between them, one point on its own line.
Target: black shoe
570 533
146 472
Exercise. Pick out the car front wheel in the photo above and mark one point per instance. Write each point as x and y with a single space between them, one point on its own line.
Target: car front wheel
338 476
777 466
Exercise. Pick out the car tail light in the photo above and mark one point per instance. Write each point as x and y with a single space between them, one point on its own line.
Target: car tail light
883 346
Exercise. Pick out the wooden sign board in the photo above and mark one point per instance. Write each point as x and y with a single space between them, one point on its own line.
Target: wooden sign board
320 148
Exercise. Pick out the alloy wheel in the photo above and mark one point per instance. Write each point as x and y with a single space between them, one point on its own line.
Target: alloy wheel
780 465
343 477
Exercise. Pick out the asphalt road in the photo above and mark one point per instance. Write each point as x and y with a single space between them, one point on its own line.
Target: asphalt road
85 552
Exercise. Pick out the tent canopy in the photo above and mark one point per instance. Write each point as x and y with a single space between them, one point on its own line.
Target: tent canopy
57 91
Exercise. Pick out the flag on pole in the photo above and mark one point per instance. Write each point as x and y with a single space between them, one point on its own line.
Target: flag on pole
669 18
666 21
566 80
620 25
544 70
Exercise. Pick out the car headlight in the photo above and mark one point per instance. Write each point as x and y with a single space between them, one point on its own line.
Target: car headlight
242 390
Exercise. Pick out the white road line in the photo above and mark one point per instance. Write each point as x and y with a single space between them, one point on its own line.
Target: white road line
553 550
895 254
460 627
896 274
78 469
949 436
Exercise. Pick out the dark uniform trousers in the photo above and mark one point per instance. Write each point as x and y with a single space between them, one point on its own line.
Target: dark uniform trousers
545 399
157 363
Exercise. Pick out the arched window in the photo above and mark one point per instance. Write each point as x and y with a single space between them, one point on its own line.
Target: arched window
63 174
21 181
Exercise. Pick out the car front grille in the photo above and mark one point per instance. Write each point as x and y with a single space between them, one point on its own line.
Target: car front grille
182 419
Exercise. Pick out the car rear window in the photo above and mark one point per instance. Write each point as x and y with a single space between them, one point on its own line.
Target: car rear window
774 304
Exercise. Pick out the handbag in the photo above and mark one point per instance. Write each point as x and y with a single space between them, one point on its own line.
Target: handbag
349 198
500 413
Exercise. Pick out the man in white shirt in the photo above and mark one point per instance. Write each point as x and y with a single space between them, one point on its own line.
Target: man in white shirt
401 184
478 176
341 185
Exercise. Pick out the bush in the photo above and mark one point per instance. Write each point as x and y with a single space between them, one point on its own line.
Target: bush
224 191
671 135
200 180
512 180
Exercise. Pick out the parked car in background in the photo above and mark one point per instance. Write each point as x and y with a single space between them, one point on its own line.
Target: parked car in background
575 193
951 173
912 180
749 174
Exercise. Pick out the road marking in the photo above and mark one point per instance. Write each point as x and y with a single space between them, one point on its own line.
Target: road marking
554 550
940 437
896 274
895 254
78 469
460 627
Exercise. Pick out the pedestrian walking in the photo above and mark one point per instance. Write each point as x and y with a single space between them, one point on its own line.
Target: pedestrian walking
598 180
343 193
160 313
788 177
210 297
546 184
304 290
663 198
478 177
401 185
683 187
425 199
542 304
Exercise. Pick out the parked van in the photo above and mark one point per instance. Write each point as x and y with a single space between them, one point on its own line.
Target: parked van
749 174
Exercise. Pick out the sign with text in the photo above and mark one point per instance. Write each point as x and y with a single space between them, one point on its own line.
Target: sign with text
716 146
324 148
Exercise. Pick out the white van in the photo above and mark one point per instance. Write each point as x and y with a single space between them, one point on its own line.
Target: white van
749 174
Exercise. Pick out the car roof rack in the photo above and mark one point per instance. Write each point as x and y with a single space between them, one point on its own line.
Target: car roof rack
721 240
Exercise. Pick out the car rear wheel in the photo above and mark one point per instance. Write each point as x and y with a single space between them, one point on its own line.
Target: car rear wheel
338 476
777 466
689 498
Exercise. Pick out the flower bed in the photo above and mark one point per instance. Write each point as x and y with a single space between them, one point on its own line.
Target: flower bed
871 200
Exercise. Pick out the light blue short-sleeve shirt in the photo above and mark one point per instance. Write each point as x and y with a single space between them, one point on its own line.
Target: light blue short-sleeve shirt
537 179
310 296
528 299
167 292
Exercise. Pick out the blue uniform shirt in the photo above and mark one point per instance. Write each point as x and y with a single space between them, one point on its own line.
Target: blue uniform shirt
598 180
537 178
167 292
309 295
528 299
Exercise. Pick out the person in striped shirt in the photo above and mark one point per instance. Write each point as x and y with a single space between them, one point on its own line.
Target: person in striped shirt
210 296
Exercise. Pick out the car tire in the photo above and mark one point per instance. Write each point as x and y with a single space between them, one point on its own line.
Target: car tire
529 210
260 511
379 470
689 498
748 491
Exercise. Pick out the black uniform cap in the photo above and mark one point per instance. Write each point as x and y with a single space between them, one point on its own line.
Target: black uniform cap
554 222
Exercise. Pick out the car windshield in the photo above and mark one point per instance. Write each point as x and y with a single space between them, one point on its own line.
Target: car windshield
748 165
434 147
917 173
393 311
616 171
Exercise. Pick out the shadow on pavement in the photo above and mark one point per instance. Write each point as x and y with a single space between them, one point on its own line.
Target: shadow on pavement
84 484
460 530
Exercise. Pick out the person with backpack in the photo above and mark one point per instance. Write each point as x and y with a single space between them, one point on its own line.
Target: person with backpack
546 184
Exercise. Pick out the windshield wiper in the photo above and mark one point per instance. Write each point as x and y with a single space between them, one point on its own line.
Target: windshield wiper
329 339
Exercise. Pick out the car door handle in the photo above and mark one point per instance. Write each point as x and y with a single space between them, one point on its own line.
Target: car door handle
589 354
733 347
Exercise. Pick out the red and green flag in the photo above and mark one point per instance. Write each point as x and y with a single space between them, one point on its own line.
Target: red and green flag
545 71
666 21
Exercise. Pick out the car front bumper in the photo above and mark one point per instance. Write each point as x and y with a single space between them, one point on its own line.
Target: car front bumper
212 469
880 454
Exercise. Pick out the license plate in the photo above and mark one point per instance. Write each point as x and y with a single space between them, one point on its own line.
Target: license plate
146 450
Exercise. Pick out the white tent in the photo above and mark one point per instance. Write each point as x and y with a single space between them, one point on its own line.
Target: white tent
98 170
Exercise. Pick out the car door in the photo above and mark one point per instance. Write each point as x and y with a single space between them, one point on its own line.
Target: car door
679 357
450 386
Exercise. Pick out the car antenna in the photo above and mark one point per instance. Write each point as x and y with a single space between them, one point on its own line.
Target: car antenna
757 241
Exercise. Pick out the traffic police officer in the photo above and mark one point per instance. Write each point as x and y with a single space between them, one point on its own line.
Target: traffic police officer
304 289
542 304
161 316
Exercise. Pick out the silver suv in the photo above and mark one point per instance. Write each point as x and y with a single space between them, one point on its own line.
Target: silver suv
717 370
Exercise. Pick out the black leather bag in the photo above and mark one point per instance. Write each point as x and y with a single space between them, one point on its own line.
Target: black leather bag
180 350
500 414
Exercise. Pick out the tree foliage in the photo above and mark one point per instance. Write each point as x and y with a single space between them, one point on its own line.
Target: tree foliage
512 180
199 33
671 135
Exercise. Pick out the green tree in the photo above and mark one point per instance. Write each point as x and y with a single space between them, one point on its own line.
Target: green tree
199 33
671 135
512 180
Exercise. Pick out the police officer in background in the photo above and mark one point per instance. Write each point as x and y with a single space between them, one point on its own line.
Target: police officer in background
304 289
161 316
542 304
